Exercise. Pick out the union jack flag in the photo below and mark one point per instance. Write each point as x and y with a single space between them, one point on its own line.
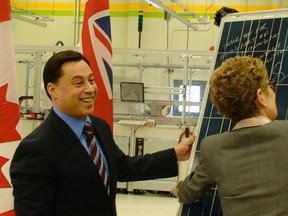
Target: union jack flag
97 48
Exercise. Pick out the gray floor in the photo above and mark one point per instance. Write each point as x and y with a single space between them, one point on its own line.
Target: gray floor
146 204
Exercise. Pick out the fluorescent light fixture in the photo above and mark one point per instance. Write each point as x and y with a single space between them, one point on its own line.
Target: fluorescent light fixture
30 17
183 7
28 20
163 7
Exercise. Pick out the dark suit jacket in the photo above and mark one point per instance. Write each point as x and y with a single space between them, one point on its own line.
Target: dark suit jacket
52 174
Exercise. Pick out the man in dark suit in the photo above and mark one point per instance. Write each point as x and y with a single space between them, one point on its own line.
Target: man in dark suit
52 172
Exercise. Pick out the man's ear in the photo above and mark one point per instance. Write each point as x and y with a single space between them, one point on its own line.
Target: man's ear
260 98
52 90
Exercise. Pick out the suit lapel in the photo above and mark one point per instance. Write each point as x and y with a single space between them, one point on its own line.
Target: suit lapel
73 144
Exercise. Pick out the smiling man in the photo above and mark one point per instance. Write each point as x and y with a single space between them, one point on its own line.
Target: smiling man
70 164
74 93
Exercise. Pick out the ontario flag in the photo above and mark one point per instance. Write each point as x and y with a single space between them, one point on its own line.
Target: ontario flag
9 108
97 48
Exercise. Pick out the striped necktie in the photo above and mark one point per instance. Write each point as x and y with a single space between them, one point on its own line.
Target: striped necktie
95 154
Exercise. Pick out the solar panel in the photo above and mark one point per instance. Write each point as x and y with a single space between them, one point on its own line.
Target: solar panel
262 34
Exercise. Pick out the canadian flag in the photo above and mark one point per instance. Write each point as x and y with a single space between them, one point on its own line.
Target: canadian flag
9 108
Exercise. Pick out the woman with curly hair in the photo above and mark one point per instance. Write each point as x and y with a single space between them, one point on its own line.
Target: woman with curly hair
249 164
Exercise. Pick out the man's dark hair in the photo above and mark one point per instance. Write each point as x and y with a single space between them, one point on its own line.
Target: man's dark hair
53 68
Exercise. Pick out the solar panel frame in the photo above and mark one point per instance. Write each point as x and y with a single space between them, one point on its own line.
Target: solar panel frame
262 34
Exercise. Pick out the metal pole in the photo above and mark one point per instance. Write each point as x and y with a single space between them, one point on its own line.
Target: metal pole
37 84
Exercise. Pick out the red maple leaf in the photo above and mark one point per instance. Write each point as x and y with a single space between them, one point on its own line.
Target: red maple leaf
5 184
9 213
9 118
5 11
3 181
